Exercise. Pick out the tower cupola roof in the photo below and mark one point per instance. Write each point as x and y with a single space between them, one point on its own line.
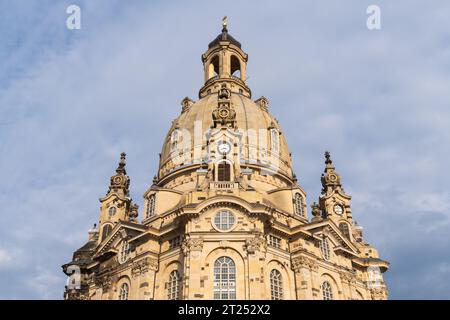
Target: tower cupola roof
224 36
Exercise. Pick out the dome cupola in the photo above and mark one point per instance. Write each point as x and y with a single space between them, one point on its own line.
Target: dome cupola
225 62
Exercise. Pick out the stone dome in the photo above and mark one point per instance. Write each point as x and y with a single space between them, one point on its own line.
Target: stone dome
253 122
225 116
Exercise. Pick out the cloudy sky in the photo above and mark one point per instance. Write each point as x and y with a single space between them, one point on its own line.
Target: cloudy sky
72 100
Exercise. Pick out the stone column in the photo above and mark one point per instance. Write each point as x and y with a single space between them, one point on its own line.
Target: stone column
304 269
255 253
347 282
143 275
192 249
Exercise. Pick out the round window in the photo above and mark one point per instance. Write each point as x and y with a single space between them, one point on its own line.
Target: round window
224 220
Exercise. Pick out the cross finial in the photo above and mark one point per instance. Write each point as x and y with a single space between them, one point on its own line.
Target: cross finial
328 158
224 24
121 167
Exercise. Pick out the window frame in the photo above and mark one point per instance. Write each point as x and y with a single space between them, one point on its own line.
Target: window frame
274 241
104 233
224 171
219 225
345 230
174 286
124 253
274 140
174 139
124 291
151 206
299 209
174 242
325 249
327 290
112 211
224 279
276 285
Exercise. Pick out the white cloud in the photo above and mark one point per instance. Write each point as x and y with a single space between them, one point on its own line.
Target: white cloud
5 258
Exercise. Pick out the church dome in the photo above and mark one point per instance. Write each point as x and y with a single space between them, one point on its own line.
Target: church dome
253 121
225 124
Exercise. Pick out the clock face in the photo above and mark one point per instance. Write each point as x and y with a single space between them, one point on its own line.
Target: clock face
224 147
338 209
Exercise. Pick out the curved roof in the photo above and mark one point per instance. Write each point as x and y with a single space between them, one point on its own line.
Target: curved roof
224 36
251 119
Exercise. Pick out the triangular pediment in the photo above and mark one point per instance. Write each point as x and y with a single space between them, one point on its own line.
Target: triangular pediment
329 228
122 230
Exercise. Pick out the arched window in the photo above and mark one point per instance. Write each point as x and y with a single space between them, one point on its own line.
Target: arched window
276 285
235 67
213 68
224 279
275 140
151 206
327 291
345 229
124 252
174 139
223 171
173 286
325 248
112 211
106 231
298 203
124 289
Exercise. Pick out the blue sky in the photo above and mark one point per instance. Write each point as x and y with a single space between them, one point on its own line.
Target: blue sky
71 101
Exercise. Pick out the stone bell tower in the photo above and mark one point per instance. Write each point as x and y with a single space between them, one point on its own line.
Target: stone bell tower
225 63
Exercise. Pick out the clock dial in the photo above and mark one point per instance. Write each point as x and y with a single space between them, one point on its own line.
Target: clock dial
224 147
338 209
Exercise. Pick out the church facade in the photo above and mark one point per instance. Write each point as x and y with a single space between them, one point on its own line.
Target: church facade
225 217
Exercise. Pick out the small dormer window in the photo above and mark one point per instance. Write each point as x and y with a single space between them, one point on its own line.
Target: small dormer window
275 140
151 206
298 205
174 139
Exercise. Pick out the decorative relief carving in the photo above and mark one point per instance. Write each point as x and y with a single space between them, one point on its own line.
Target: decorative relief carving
304 262
142 266
378 293
224 114
75 295
254 244
347 277
192 244
104 282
